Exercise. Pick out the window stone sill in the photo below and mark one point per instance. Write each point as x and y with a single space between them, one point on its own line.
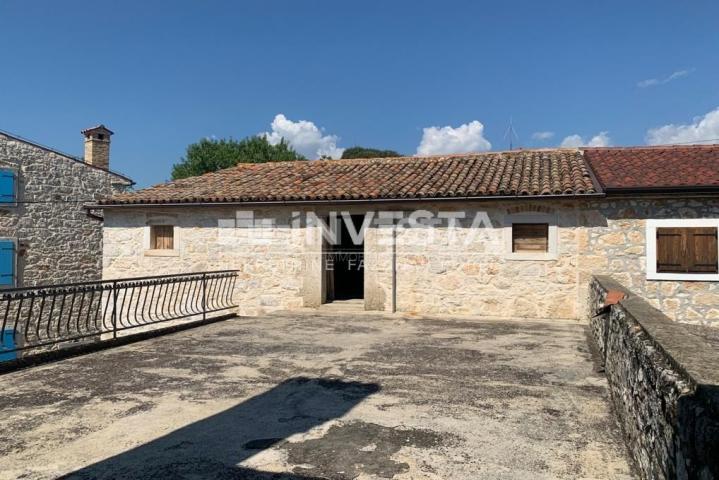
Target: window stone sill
545 257
683 277
162 253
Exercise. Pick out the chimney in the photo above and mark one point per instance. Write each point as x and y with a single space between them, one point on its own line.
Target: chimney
97 146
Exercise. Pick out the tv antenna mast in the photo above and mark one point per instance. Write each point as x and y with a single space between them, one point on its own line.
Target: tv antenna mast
511 133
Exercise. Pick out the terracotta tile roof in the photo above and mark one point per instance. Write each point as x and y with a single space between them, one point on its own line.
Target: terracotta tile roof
515 173
658 167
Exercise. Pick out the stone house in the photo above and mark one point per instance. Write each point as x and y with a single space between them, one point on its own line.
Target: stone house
507 234
47 236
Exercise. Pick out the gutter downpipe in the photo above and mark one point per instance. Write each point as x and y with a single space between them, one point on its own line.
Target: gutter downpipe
394 268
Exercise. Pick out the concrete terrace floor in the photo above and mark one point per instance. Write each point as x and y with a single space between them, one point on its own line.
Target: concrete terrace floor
320 396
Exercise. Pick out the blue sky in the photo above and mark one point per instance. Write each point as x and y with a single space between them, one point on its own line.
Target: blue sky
373 73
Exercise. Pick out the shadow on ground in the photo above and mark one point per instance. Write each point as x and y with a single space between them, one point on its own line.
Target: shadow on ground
212 447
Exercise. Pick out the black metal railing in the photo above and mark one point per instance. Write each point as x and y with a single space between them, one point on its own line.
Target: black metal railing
38 317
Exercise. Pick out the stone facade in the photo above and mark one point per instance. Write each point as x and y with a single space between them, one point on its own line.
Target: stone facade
57 241
663 383
616 245
277 267
462 270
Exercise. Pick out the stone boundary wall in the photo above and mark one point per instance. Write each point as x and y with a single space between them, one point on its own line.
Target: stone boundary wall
664 384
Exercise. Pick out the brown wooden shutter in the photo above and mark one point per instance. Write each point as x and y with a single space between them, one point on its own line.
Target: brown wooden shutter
687 250
162 237
671 255
530 237
702 249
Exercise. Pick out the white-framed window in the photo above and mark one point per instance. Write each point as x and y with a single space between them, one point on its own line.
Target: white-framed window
530 236
683 249
162 237
8 263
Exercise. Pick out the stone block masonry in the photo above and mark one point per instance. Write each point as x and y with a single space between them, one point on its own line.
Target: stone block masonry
664 384
614 244
57 241
428 270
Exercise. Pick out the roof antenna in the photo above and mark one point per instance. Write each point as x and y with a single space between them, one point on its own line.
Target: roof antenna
511 133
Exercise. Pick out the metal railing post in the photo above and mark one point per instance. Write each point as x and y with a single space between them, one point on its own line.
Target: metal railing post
204 296
114 309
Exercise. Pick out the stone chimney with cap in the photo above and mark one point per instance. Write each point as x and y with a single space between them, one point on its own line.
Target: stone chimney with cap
97 146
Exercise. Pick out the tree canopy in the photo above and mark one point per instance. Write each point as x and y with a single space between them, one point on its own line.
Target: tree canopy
362 152
209 155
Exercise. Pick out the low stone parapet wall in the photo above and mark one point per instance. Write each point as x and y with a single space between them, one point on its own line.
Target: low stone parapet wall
664 383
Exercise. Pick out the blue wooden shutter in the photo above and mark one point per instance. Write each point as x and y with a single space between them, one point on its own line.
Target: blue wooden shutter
7 279
7 342
7 263
7 186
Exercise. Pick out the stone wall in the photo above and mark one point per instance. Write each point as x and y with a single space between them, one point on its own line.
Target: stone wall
663 382
615 244
57 241
468 270
279 266
464 270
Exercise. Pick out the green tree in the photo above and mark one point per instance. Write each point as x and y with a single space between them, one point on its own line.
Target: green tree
362 152
209 155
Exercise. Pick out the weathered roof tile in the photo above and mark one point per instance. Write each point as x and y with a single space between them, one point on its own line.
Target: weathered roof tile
515 173
660 167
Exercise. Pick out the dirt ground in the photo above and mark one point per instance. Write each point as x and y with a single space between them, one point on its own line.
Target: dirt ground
320 396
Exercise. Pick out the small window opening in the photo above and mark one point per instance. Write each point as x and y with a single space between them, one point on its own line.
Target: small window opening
162 237
530 237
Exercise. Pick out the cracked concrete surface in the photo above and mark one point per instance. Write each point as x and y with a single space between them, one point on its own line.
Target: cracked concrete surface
304 395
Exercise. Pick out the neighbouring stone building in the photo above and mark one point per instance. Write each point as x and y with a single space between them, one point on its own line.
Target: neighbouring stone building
508 234
47 236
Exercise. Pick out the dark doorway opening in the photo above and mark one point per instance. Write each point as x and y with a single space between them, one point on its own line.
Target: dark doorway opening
345 263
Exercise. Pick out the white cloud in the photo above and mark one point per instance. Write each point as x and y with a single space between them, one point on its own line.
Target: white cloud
703 129
305 137
468 137
599 140
652 82
572 141
542 135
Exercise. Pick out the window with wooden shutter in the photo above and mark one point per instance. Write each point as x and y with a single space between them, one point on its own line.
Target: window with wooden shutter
162 237
530 237
7 263
8 180
687 250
